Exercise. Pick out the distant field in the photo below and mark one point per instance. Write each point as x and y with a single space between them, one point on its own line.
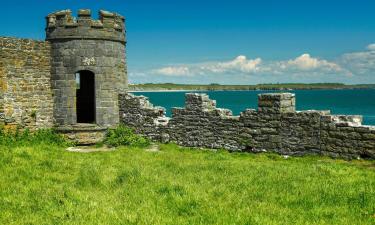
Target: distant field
46 185
212 87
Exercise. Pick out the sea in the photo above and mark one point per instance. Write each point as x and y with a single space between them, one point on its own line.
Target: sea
347 102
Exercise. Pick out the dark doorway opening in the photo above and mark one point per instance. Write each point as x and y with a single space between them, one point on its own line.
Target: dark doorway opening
85 86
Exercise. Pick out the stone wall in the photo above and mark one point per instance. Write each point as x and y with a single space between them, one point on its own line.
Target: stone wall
217 127
25 89
139 113
344 135
276 127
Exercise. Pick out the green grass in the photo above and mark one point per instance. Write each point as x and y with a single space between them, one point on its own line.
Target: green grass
43 184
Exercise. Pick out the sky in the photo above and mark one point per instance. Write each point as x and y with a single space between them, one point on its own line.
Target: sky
228 42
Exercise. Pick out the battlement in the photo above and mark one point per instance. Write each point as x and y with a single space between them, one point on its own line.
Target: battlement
195 101
276 103
276 127
62 25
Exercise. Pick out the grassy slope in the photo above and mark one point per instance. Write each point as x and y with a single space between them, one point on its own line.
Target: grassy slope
47 185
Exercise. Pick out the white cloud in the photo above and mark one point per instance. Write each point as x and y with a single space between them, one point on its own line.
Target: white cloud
137 74
306 62
238 65
241 65
351 67
360 63
371 47
173 71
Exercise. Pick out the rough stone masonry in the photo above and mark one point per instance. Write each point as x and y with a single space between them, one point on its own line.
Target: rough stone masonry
275 127
71 81
76 81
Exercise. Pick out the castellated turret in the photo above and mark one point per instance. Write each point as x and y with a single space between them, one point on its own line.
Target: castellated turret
88 66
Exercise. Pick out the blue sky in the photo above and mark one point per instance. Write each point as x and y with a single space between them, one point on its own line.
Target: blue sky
233 42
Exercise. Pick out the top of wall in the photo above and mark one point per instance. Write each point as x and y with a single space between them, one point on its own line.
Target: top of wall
21 44
62 25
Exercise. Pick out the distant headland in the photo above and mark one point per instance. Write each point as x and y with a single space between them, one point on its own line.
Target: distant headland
221 87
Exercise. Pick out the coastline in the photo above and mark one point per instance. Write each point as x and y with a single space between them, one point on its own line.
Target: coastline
171 87
160 90
286 90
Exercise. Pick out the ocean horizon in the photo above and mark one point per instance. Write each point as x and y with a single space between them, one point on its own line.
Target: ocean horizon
340 102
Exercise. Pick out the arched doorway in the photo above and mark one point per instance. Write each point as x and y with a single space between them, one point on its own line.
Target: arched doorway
85 102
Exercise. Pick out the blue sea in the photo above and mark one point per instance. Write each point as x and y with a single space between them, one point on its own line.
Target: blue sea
355 102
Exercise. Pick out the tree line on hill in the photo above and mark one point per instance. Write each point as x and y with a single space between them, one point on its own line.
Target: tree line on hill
223 87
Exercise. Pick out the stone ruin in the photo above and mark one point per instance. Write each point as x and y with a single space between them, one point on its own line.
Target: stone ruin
76 82
275 126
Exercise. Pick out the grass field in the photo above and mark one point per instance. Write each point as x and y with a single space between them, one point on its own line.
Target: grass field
48 185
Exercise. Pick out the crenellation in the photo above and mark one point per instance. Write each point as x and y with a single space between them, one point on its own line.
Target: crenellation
84 14
62 25
201 124
199 102
276 103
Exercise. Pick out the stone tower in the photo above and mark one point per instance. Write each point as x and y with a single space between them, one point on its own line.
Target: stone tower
88 67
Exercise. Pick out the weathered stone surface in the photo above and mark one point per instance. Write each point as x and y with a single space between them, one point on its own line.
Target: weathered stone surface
25 90
276 127
37 78
276 103
139 113
87 44
38 90
83 134
62 25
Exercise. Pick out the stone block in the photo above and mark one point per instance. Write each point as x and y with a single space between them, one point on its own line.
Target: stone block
276 103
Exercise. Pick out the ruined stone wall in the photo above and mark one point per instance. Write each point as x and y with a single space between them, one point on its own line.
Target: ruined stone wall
25 89
300 132
276 127
344 136
217 128
139 113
